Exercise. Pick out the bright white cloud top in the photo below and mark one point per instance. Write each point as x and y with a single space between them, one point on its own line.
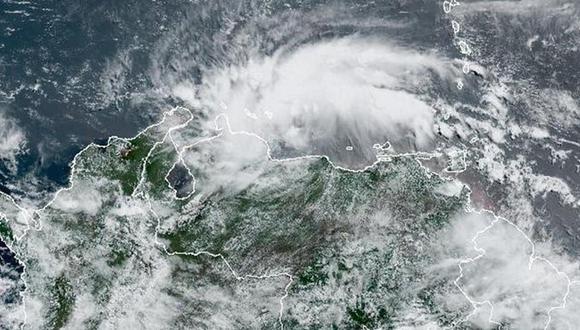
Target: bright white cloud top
323 96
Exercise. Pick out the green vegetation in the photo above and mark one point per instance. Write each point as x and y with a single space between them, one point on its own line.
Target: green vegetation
186 236
138 149
277 221
355 241
121 161
444 316
63 300
118 258
5 230
157 167
361 317
314 218
313 274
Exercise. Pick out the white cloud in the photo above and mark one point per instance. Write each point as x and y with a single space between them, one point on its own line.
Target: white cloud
512 7
232 161
324 96
449 188
567 318
564 108
541 185
501 274
84 309
505 277
129 208
11 313
12 142
83 197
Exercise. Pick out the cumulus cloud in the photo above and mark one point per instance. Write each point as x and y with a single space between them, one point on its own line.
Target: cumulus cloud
323 97
450 188
564 108
507 278
229 160
567 317
83 197
512 7
11 309
505 275
12 142
541 185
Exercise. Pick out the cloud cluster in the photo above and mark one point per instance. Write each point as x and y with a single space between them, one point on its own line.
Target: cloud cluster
12 142
514 7
335 97
231 161
507 278
82 197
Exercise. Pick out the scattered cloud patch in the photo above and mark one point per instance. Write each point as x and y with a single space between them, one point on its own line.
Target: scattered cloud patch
12 142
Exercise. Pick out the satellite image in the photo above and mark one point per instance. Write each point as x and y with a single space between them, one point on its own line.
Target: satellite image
297 164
